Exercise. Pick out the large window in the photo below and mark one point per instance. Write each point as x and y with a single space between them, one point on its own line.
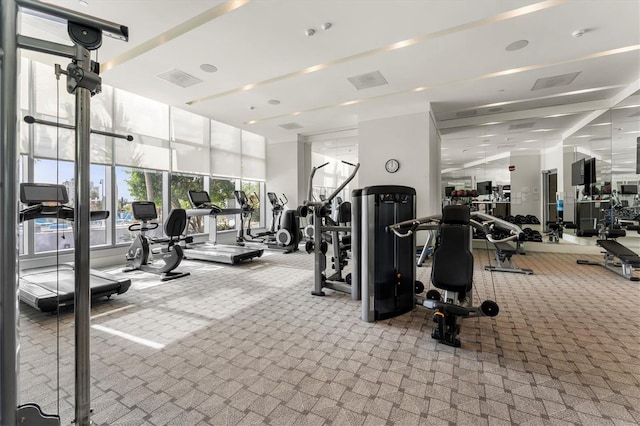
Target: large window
136 114
180 187
254 154
253 192
221 194
52 234
188 127
226 150
98 201
136 185
172 151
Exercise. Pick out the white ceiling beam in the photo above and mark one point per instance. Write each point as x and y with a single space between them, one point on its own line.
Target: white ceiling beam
574 108
613 101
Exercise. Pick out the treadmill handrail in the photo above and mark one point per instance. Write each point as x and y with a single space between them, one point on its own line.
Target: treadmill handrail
41 211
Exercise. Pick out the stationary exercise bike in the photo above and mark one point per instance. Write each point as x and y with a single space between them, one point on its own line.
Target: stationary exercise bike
165 259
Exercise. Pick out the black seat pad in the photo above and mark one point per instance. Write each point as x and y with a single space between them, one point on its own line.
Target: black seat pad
621 252
505 248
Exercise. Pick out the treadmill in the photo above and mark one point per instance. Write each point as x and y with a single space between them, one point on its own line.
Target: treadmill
212 251
49 288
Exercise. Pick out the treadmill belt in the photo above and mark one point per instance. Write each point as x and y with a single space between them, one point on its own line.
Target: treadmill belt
50 287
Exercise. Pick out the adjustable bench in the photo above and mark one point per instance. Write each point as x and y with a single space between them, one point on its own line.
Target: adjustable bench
504 251
627 260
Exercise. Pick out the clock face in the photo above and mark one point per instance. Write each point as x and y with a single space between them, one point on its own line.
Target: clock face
392 165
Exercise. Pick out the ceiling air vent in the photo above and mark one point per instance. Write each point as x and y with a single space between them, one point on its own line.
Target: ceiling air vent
365 81
290 126
468 113
179 78
555 81
522 126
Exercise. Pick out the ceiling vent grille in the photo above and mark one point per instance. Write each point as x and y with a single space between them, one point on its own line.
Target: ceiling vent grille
522 126
179 78
468 113
290 126
555 81
365 81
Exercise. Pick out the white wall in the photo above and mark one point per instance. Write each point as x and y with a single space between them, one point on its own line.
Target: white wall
526 185
413 141
282 171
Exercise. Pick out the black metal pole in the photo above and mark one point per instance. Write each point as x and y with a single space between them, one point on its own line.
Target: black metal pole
8 215
82 298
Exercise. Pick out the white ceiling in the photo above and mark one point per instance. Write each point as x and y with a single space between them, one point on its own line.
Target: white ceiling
445 55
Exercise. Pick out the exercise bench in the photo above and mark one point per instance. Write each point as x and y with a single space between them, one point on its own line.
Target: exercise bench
617 258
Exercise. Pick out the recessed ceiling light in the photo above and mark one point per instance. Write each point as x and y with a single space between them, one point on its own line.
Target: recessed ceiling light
309 32
558 115
208 68
83 3
517 45
326 25
273 102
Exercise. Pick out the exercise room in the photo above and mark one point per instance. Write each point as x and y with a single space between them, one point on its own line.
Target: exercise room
340 212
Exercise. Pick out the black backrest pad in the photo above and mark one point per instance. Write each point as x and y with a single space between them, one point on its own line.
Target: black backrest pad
344 212
452 268
456 214
175 223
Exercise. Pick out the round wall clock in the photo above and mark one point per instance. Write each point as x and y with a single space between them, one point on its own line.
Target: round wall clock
392 165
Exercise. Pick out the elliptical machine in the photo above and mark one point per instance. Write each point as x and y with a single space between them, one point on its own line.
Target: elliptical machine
285 237
139 253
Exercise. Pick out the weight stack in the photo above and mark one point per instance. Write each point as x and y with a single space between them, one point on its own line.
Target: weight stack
388 263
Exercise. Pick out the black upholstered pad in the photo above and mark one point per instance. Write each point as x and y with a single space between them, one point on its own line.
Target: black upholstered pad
452 268
621 252
456 214
176 222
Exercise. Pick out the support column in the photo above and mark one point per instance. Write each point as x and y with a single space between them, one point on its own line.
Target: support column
411 139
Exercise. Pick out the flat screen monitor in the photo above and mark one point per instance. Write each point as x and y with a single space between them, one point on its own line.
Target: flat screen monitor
590 171
37 193
144 210
629 189
448 190
199 198
484 188
577 173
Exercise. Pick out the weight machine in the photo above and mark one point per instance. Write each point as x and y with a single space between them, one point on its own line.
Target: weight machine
83 81
321 211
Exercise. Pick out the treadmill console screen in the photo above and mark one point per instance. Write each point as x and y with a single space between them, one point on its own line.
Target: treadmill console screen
199 198
144 210
38 193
